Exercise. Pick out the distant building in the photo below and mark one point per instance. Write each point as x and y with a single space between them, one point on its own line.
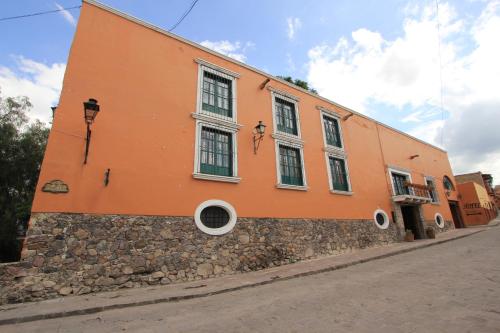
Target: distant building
477 198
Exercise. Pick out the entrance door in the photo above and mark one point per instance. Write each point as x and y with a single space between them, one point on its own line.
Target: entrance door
455 213
412 221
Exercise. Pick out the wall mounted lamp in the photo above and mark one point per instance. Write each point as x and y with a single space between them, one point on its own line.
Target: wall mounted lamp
90 110
414 156
258 135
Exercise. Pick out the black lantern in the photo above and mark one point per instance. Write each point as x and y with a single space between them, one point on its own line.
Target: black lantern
258 135
90 110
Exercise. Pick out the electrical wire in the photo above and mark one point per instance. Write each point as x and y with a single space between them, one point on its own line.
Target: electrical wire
39 13
184 15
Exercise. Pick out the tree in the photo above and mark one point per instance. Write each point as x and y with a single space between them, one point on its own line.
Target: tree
298 82
22 145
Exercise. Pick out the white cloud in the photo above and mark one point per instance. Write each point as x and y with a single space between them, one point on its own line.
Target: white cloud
293 25
234 50
290 63
41 83
66 14
403 73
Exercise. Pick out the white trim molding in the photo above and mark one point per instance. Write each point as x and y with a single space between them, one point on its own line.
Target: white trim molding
329 170
328 111
437 217
284 135
217 203
283 93
300 147
221 72
328 147
234 144
217 68
436 195
386 219
400 171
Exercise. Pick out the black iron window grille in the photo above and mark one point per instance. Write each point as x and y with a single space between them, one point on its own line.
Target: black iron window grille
399 184
217 95
214 217
290 166
332 132
216 152
286 118
339 174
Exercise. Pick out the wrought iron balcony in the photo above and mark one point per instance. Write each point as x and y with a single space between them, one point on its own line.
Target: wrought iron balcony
412 193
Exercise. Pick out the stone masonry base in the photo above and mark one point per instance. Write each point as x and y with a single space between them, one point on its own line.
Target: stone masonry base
79 253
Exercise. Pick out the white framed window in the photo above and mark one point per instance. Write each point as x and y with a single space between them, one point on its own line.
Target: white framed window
438 218
381 219
215 217
216 153
286 119
290 169
335 156
332 130
430 181
217 93
338 173
398 179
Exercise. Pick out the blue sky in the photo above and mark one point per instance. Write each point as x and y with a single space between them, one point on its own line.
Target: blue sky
380 58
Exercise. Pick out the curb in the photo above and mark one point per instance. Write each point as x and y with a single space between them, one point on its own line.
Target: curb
97 309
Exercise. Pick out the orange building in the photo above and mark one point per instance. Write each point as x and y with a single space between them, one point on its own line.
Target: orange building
477 198
181 183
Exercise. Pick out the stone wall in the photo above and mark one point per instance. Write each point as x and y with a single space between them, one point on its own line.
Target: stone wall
78 253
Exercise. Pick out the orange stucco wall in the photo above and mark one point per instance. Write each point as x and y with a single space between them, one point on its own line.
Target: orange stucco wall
146 85
476 204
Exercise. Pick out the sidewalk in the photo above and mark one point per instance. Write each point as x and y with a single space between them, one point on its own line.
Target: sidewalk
93 303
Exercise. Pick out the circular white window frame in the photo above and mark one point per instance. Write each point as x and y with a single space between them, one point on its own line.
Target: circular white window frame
215 231
386 219
436 220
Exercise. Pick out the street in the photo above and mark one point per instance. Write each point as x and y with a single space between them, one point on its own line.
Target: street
451 287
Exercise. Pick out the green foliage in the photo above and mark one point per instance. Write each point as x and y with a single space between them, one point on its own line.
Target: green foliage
22 145
299 83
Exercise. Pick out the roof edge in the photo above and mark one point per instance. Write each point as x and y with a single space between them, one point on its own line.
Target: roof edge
253 69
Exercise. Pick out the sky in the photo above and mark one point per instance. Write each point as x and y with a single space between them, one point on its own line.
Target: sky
428 68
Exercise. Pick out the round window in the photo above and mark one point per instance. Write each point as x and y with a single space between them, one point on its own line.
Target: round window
215 217
439 220
381 219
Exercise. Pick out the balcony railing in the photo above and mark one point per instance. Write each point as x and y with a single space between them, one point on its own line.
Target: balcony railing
413 193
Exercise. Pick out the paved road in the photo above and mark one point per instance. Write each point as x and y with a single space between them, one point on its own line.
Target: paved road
452 287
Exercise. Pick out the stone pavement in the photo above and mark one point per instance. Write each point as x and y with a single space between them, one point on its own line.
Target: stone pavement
93 303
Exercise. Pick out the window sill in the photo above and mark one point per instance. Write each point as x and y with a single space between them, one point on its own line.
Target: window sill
335 150
292 187
223 121
281 136
216 178
435 203
341 192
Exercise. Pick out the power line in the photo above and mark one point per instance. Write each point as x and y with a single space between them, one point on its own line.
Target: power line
184 15
39 13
